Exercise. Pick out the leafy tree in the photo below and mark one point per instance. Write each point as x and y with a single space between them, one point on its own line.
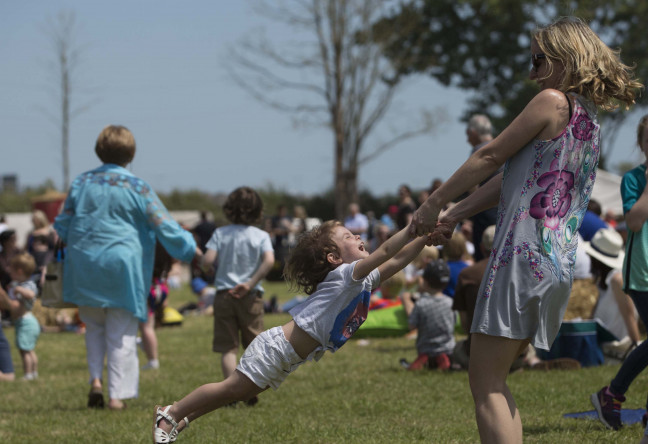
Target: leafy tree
334 75
483 46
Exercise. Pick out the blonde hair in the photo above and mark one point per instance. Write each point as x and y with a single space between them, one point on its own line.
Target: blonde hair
40 219
23 262
115 144
592 69
427 254
455 249
392 287
643 126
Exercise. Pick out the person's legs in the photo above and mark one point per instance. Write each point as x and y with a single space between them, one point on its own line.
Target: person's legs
149 342
637 360
122 362
95 340
226 331
24 356
34 360
497 415
209 397
607 401
6 364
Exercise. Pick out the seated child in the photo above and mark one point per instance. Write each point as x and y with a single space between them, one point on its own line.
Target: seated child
389 292
432 315
455 254
331 265
22 295
414 270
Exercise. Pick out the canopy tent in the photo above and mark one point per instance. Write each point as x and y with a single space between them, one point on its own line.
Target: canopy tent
607 192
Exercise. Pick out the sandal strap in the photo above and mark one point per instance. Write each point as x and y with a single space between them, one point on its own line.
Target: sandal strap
174 432
162 414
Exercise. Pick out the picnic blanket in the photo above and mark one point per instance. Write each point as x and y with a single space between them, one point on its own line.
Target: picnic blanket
628 416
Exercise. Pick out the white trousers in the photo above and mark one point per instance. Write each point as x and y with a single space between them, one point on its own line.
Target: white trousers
112 333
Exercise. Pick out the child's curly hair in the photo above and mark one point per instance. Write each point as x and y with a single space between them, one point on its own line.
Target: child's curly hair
243 206
307 265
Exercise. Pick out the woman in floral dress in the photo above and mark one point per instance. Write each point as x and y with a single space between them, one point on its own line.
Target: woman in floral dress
550 153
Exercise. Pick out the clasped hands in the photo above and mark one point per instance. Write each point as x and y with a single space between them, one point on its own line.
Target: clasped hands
427 221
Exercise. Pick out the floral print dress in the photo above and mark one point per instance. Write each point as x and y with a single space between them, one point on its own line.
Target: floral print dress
545 191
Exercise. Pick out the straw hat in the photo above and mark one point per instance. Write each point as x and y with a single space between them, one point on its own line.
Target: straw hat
607 247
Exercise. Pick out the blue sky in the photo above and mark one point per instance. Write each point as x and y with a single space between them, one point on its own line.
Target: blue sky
157 67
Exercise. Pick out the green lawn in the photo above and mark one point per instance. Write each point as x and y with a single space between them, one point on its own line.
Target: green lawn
358 395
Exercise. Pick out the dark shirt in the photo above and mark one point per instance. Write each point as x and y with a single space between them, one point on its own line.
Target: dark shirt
204 231
403 210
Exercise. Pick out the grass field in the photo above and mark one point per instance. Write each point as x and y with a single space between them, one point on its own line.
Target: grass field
357 395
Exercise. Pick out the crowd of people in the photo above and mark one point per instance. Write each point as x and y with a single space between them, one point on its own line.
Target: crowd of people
507 273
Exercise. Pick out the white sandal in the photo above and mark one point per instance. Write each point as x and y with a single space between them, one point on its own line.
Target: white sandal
159 435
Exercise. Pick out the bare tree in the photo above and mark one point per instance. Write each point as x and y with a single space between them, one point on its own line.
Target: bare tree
333 76
61 32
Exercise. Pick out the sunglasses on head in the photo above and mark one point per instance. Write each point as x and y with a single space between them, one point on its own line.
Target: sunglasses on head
535 60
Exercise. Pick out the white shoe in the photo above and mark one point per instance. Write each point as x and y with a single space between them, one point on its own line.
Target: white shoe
151 365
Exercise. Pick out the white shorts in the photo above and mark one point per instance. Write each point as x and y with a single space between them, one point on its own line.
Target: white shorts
269 359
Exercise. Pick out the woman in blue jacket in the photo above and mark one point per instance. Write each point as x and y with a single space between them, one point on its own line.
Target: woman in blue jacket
109 223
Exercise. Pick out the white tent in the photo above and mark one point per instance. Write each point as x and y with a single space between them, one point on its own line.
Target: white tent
607 192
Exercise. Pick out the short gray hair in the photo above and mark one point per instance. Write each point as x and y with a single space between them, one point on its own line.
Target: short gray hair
481 124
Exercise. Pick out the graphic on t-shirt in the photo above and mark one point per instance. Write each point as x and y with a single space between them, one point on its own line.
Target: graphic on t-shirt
350 319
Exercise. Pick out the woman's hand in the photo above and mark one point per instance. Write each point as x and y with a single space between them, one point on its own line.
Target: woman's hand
425 219
444 228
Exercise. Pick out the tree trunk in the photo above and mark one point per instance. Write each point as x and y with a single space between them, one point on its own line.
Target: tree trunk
346 191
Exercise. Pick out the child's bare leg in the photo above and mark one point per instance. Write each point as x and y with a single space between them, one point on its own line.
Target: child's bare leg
34 359
209 397
498 418
149 339
24 356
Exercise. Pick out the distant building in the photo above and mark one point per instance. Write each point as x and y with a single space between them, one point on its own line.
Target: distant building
10 183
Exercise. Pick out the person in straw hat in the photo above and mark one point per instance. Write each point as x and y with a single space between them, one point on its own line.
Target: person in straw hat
614 307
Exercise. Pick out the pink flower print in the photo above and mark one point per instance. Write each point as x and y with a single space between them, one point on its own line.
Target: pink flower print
583 127
554 202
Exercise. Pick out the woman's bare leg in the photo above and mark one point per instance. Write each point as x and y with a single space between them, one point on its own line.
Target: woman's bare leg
498 418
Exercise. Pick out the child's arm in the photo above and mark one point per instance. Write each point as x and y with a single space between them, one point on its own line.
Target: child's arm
383 253
25 292
404 257
208 260
6 303
408 303
266 265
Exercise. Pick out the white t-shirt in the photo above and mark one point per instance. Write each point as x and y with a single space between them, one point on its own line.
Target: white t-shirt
240 251
335 311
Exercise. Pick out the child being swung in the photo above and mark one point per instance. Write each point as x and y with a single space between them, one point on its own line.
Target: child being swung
333 266
20 299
